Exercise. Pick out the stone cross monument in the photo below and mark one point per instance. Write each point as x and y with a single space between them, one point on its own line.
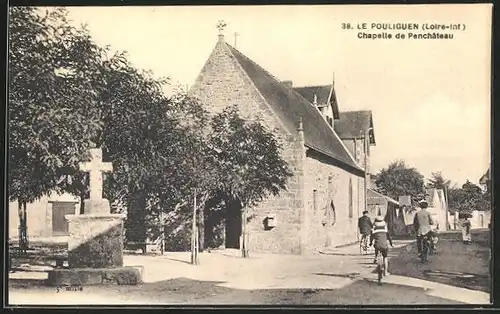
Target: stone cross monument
95 242
95 167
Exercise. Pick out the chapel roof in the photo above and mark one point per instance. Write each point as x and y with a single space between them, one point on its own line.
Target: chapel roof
290 107
354 124
325 95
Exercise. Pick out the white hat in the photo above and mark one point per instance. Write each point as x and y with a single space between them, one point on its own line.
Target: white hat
422 202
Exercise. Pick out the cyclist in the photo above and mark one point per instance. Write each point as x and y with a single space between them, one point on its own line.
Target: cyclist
422 224
379 238
365 226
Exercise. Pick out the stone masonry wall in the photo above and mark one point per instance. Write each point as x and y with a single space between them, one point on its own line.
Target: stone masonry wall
222 83
287 208
321 232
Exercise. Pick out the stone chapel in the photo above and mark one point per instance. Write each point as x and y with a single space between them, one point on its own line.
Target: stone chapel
326 194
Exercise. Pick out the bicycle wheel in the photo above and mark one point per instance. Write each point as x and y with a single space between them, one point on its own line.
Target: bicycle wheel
380 272
425 251
362 246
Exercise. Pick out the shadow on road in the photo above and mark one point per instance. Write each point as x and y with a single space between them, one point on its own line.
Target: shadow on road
350 275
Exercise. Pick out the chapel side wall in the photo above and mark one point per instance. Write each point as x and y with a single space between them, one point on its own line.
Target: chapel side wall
286 236
222 83
344 231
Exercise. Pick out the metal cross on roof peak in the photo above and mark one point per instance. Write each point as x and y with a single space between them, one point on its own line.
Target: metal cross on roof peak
220 26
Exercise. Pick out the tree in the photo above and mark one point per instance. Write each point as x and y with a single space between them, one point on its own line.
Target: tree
398 179
52 117
67 94
439 182
250 162
468 198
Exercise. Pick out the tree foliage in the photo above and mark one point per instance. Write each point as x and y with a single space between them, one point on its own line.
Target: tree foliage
398 179
468 198
249 158
438 181
52 117
67 94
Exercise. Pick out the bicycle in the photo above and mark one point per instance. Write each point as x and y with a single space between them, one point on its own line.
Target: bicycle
380 268
426 248
363 244
433 245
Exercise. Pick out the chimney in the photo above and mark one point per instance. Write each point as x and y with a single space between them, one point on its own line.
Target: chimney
221 37
288 84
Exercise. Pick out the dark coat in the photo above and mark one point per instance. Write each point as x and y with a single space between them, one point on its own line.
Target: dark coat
380 237
365 225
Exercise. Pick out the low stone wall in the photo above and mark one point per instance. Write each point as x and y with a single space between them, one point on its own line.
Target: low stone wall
130 275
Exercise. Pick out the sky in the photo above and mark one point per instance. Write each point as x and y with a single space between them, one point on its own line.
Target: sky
430 99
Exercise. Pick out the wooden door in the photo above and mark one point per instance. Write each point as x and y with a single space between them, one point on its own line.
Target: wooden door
59 223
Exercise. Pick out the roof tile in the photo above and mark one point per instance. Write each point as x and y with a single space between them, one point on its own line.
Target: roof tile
353 124
290 106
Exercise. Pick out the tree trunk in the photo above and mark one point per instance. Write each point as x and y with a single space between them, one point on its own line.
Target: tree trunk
162 231
244 249
135 225
201 221
23 226
20 226
225 220
194 234
25 212
82 203
201 228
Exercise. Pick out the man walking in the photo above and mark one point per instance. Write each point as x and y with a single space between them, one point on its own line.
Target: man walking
422 224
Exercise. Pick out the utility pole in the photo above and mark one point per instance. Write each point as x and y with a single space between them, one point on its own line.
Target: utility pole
365 148
194 236
448 226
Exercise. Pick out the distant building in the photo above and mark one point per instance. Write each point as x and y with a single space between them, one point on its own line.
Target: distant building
381 205
438 207
485 180
45 218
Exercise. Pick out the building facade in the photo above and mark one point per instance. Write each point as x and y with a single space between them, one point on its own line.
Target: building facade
45 218
323 200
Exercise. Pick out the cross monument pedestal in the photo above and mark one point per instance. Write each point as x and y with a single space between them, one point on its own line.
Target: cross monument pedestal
95 244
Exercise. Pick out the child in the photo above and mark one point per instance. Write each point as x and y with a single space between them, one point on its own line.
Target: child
379 238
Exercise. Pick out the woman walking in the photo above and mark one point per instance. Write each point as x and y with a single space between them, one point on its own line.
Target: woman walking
466 236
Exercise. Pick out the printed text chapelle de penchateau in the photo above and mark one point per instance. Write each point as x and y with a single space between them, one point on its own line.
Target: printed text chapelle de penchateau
418 31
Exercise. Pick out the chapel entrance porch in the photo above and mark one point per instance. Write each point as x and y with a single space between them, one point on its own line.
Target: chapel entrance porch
233 228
